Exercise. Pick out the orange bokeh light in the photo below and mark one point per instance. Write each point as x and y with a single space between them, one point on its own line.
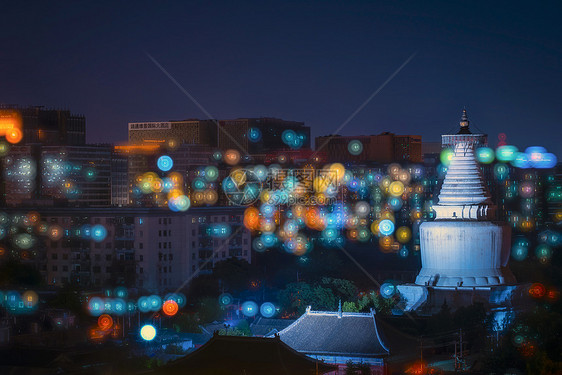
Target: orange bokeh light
170 308
232 157
105 322
14 135
137 148
537 290
252 218
10 126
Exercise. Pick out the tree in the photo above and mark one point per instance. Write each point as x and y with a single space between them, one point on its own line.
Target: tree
210 310
372 300
187 322
442 321
324 299
233 274
349 307
68 298
203 286
472 319
296 297
343 289
14 273
241 329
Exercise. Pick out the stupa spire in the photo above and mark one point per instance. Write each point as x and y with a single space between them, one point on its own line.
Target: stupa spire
464 123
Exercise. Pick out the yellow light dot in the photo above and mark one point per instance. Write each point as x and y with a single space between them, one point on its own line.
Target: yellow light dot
339 170
396 188
403 234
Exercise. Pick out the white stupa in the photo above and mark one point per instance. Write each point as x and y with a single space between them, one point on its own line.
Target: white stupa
464 247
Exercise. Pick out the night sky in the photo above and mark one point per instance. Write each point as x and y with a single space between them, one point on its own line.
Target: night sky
308 61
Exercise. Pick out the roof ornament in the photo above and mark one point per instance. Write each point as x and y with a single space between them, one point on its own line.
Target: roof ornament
464 123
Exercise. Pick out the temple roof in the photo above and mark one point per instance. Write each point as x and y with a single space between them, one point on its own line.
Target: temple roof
245 355
335 333
269 327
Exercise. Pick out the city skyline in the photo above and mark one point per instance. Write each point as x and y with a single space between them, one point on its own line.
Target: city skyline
214 187
318 71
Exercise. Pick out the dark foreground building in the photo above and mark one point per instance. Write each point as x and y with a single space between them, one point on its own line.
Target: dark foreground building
232 355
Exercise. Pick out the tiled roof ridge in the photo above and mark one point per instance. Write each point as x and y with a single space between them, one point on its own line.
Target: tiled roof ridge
336 313
310 312
378 336
294 324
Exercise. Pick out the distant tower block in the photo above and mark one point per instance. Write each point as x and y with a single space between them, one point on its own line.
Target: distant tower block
463 247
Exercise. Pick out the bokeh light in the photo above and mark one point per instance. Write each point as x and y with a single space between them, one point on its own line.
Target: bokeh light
165 163
148 332
267 310
170 307
355 147
249 308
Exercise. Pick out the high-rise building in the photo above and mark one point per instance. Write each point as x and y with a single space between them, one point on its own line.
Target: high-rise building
20 178
80 175
119 179
151 249
68 175
44 126
142 158
382 149
408 148
199 132
262 135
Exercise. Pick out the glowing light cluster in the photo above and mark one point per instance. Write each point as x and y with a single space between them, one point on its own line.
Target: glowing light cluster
119 305
17 303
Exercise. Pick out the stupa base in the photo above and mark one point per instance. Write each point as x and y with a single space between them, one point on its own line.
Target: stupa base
428 300
465 278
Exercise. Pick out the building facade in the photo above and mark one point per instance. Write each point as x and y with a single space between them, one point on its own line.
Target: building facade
67 175
188 160
382 149
238 134
47 126
200 132
152 249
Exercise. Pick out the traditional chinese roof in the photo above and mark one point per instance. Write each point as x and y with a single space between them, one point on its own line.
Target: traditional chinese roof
245 355
269 327
335 333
